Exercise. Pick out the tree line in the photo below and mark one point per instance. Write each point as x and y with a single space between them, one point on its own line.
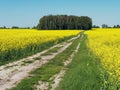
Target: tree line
35 27
17 27
61 22
106 26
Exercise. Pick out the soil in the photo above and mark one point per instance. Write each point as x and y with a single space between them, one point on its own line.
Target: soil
11 74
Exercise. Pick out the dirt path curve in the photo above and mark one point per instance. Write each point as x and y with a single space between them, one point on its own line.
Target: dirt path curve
58 77
13 73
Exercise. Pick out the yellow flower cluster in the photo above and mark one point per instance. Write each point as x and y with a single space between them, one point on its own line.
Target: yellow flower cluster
14 39
21 38
105 43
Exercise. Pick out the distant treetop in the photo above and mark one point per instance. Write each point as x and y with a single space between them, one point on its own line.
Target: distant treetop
64 22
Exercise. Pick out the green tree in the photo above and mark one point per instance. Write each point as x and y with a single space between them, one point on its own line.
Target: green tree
104 26
58 22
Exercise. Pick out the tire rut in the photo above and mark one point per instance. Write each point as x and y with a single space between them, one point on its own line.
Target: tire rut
11 74
58 77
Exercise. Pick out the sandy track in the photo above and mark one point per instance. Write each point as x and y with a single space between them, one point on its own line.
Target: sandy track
58 77
13 73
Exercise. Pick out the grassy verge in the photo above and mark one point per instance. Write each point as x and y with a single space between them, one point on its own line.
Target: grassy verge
12 55
48 70
85 72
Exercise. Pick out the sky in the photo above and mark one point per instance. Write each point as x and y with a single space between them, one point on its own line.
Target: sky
27 13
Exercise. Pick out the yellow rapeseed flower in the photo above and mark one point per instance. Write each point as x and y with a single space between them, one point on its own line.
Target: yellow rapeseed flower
105 43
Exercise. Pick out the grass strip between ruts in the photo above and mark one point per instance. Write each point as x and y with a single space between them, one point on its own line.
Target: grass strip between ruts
48 70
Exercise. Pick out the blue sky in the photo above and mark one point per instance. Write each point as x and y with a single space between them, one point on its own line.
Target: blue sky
28 12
